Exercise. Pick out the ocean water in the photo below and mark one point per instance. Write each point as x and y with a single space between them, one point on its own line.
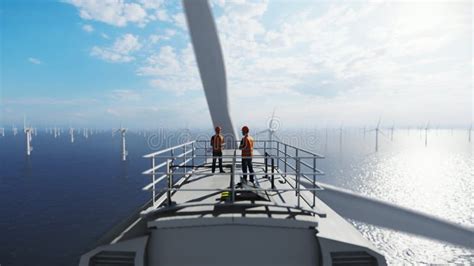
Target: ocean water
57 203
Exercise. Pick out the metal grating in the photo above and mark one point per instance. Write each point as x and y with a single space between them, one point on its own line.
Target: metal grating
113 258
359 258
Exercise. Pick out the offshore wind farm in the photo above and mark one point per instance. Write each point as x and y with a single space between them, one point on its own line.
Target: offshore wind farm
353 122
440 172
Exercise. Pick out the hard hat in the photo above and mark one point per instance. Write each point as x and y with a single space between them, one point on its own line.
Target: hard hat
245 129
218 128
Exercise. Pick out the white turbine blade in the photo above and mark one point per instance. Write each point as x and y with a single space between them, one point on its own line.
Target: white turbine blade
276 136
378 123
263 131
210 62
361 208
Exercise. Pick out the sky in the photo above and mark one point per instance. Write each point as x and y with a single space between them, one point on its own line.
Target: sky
316 63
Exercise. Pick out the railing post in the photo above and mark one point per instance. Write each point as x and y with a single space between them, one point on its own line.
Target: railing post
314 180
184 160
278 154
265 160
232 178
264 147
193 155
153 175
286 157
169 172
297 164
298 180
273 173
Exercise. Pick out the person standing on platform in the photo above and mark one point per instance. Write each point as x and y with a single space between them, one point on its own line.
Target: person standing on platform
246 145
217 144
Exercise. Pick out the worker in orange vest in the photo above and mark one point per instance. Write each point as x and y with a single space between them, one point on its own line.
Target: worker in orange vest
246 145
217 143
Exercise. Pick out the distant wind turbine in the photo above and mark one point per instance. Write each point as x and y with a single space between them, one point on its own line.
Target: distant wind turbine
469 133
122 131
377 131
391 132
426 133
340 136
2 130
28 138
272 127
14 130
71 133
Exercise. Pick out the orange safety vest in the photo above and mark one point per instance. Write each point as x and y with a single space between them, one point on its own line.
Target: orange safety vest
217 142
246 145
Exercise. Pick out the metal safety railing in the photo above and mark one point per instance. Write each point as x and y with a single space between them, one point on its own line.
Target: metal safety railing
182 160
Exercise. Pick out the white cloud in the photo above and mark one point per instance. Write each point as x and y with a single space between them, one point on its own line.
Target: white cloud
179 20
33 60
171 71
87 28
120 51
155 38
113 12
365 59
120 13
125 95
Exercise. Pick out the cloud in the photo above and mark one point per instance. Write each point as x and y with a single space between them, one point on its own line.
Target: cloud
120 51
155 38
33 60
125 95
87 28
113 12
171 71
120 13
317 57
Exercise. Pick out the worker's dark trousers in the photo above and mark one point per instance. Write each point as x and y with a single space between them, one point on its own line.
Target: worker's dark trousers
215 155
247 166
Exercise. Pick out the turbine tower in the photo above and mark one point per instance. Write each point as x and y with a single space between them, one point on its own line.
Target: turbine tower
340 136
426 133
377 131
14 130
2 130
122 131
391 132
28 131
271 130
71 133
469 133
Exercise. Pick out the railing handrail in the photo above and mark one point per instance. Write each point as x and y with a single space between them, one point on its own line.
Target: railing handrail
153 154
320 156
180 155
